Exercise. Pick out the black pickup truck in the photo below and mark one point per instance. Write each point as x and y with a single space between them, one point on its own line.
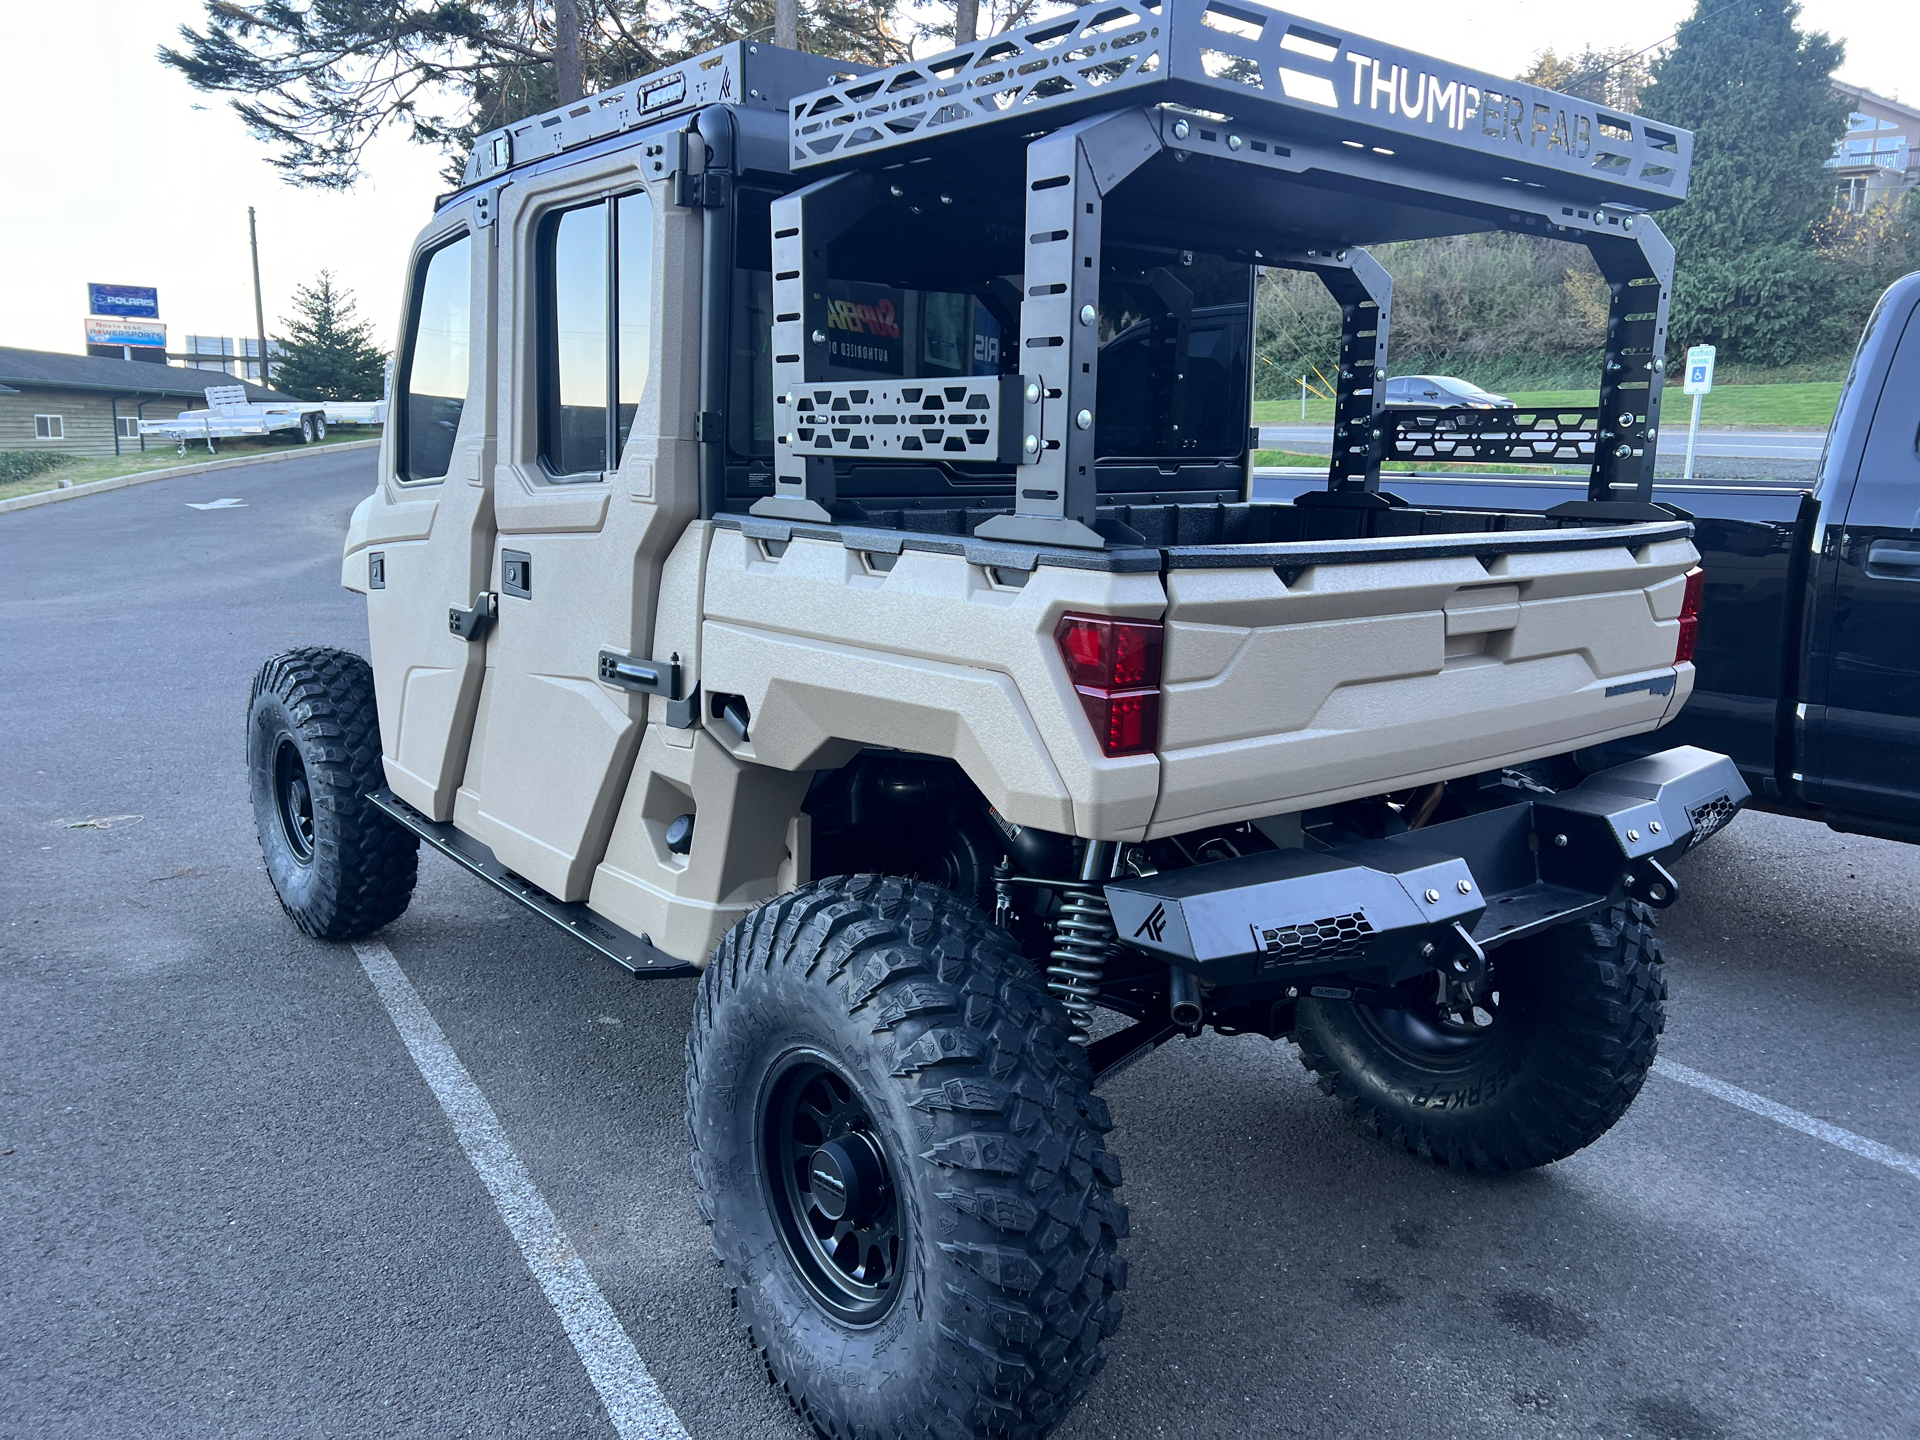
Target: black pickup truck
1808 650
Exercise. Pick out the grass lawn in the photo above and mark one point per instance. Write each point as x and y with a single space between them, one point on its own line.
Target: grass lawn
163 455
1809 405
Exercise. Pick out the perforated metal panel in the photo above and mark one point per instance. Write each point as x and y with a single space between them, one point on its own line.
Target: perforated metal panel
1334 937
977 418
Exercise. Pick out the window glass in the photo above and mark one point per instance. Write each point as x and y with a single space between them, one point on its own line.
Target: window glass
1173 356
437 371
575 428
634 295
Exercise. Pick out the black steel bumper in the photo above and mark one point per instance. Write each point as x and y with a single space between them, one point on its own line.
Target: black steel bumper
1384 910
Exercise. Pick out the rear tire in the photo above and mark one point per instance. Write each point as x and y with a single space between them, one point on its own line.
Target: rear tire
307 437
1578 1025
970 1278
341 867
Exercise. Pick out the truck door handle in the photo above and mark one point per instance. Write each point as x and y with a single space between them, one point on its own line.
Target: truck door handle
1894 559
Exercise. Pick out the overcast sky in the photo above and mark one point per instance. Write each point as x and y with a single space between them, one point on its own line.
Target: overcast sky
123 174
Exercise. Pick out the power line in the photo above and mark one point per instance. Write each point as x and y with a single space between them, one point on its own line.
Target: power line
1629 59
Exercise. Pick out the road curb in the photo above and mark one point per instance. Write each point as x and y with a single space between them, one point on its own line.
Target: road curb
121 482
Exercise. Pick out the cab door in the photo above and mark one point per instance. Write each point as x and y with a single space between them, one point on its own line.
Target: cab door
419 546
597 478
1866 756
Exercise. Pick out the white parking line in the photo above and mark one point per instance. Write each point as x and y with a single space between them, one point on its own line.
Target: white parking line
1792 1119
634 1403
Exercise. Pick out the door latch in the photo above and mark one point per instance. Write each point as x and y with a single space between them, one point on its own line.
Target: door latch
471 625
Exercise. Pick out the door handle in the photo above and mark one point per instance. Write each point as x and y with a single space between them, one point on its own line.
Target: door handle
1894 559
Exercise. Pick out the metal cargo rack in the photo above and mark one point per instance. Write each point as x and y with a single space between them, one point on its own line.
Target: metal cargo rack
1224 126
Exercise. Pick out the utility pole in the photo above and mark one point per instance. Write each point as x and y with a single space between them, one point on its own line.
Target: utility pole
966 21
259 311
786 23
569 78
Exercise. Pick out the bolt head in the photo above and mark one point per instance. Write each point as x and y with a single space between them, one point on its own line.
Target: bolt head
1622 451
819 337
1561 841
1087 314
1426 949
1084 419
946 199
1032 445
1234 142
1633 835
895 191
1433 897
1654 827
1466 887
1033 394
1627 419
1180 129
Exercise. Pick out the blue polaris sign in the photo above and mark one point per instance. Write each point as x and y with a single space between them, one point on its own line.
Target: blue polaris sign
123 301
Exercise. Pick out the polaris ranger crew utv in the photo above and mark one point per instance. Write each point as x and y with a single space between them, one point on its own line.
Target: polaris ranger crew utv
811 552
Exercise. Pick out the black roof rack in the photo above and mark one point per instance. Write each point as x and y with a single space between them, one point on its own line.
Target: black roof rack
1252 74
745 72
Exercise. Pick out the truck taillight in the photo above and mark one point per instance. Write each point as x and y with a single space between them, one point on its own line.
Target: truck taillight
1690 615
1114 665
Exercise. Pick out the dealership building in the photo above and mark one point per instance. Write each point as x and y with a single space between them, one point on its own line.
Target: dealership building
89 405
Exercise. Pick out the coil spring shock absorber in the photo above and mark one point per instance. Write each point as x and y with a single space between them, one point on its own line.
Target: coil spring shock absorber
1081 937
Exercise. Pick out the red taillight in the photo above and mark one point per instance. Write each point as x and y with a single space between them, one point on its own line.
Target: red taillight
1115 669
1690 615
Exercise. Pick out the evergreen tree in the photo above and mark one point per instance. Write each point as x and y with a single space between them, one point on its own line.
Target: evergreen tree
1756 91
319 81
328 352
1607 77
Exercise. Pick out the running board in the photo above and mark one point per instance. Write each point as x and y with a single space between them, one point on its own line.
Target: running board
633 953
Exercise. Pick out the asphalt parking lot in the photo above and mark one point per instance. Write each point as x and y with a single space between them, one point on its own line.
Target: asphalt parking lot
233 1205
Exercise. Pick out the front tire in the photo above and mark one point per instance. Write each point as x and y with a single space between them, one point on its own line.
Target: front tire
895 1143
1576 1029
341 867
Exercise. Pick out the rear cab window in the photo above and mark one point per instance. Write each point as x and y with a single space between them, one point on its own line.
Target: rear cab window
595 303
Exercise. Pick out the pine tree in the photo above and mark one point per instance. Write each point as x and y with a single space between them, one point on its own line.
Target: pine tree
318 81
328 352
1756 91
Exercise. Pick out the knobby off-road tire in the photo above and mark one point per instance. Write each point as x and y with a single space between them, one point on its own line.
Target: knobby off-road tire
340 867
1576 1030
897 1003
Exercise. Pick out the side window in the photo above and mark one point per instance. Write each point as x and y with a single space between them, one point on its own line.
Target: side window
596 309
435 373
633 300
1888 492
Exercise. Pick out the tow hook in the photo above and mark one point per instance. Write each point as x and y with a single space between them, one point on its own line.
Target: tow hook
1464 979
1651 883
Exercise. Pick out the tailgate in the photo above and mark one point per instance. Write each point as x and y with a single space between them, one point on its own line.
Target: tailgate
1296 681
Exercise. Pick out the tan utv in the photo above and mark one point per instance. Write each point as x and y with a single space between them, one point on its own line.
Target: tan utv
815 550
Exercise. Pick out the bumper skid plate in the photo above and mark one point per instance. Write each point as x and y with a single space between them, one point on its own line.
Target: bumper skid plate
1389 909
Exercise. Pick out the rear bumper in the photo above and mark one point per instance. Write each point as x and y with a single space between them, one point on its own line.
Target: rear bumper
1381 910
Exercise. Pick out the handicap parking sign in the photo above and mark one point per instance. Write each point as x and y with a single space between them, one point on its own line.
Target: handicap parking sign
1699 370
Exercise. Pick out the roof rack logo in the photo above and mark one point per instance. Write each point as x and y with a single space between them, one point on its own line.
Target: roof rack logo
1417 95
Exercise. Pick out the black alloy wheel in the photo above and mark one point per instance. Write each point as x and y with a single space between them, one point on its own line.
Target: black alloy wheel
339 864
293 799
1570 1032
832 1188
896 1145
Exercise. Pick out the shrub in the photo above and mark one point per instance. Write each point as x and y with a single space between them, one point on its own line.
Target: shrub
25 464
